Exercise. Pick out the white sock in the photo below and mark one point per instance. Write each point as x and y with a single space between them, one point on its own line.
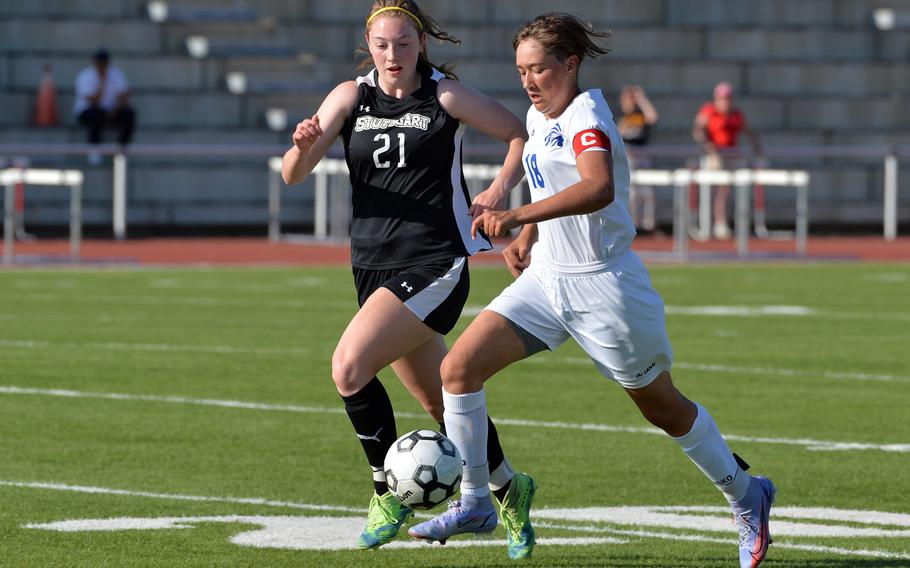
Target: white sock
466 425
706 447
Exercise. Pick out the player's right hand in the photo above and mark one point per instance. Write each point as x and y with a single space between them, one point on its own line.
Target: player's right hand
517 256
307 133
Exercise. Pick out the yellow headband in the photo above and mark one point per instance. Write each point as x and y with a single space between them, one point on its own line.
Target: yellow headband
387 8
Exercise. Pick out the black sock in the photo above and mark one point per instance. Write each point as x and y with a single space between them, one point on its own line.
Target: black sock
495 457
371 414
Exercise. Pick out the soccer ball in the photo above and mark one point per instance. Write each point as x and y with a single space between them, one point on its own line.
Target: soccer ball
423 469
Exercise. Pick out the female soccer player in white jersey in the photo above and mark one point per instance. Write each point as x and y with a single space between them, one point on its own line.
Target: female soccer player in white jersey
402 125
579 280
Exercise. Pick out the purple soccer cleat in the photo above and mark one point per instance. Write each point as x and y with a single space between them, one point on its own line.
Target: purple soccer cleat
461 517
751 516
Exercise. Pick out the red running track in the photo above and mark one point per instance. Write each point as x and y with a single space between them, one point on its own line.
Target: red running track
259 251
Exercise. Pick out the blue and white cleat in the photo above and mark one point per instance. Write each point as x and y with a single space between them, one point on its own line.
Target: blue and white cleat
460 518
751 516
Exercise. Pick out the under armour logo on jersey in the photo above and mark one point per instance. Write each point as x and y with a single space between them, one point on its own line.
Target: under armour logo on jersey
554 137
374 437
364 108
406 287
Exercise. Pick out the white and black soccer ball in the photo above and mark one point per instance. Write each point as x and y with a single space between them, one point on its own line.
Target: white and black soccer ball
423 469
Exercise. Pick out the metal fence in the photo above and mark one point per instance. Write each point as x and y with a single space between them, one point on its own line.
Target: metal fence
888 156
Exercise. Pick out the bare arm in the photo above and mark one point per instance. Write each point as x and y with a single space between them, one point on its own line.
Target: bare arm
96 97
651 114
698 129
314 136
488 116
700 133
593 192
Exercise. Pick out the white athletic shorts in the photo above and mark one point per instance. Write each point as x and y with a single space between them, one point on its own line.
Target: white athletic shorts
614 314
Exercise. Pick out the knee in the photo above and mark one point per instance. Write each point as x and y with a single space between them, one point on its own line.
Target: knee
458 377
347 373
672 415
660 416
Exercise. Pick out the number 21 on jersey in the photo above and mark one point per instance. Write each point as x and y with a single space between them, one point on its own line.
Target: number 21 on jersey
534 175
386 144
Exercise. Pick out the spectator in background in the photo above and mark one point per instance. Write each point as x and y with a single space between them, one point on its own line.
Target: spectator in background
102 99
638 115
717 126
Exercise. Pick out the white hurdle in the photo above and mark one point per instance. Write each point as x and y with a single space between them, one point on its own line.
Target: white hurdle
333 214
13 176
679 179
743 180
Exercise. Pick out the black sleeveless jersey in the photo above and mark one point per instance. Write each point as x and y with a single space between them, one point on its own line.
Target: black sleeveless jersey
410 198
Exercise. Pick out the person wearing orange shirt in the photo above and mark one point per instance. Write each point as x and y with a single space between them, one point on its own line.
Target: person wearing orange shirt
717 127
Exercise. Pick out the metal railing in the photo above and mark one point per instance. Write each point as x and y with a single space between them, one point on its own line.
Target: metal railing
332 215
11 177
890 156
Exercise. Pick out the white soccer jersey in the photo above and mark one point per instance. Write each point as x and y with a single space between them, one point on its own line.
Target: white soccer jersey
578 243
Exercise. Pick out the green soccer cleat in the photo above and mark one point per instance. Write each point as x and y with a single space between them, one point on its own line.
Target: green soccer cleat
515 513
383 521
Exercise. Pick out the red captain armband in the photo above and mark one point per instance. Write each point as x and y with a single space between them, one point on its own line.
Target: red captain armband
591 138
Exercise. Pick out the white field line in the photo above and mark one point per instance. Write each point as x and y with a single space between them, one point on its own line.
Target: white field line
182 400
700 538
341 509
179 497
735 370
755 311
809 444
159 347
234 350
204 301
759 311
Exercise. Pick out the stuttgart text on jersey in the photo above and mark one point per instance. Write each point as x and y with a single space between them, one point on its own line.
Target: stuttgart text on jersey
409 120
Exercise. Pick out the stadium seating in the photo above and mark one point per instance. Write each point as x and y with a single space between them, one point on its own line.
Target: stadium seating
806 72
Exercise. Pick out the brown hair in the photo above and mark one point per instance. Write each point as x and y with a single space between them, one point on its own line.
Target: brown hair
427 26
562 35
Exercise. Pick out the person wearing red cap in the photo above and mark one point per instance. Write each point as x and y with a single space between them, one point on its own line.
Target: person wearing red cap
717 126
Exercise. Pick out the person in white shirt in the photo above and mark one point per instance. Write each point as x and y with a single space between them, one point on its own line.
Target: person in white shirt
102 99
576 276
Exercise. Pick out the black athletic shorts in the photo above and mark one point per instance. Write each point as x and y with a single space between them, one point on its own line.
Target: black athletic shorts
435 292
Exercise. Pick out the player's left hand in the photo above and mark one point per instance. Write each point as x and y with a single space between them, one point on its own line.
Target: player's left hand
494 223
486 200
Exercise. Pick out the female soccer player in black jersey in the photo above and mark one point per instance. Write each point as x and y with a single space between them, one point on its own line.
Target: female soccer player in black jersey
402 125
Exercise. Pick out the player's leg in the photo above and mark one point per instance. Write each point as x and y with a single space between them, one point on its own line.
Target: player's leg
93 118
517 324
634 205
419 373
693 428
721 225
487 345
630 319
401 311
648 208
491 343
380 333
124 119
